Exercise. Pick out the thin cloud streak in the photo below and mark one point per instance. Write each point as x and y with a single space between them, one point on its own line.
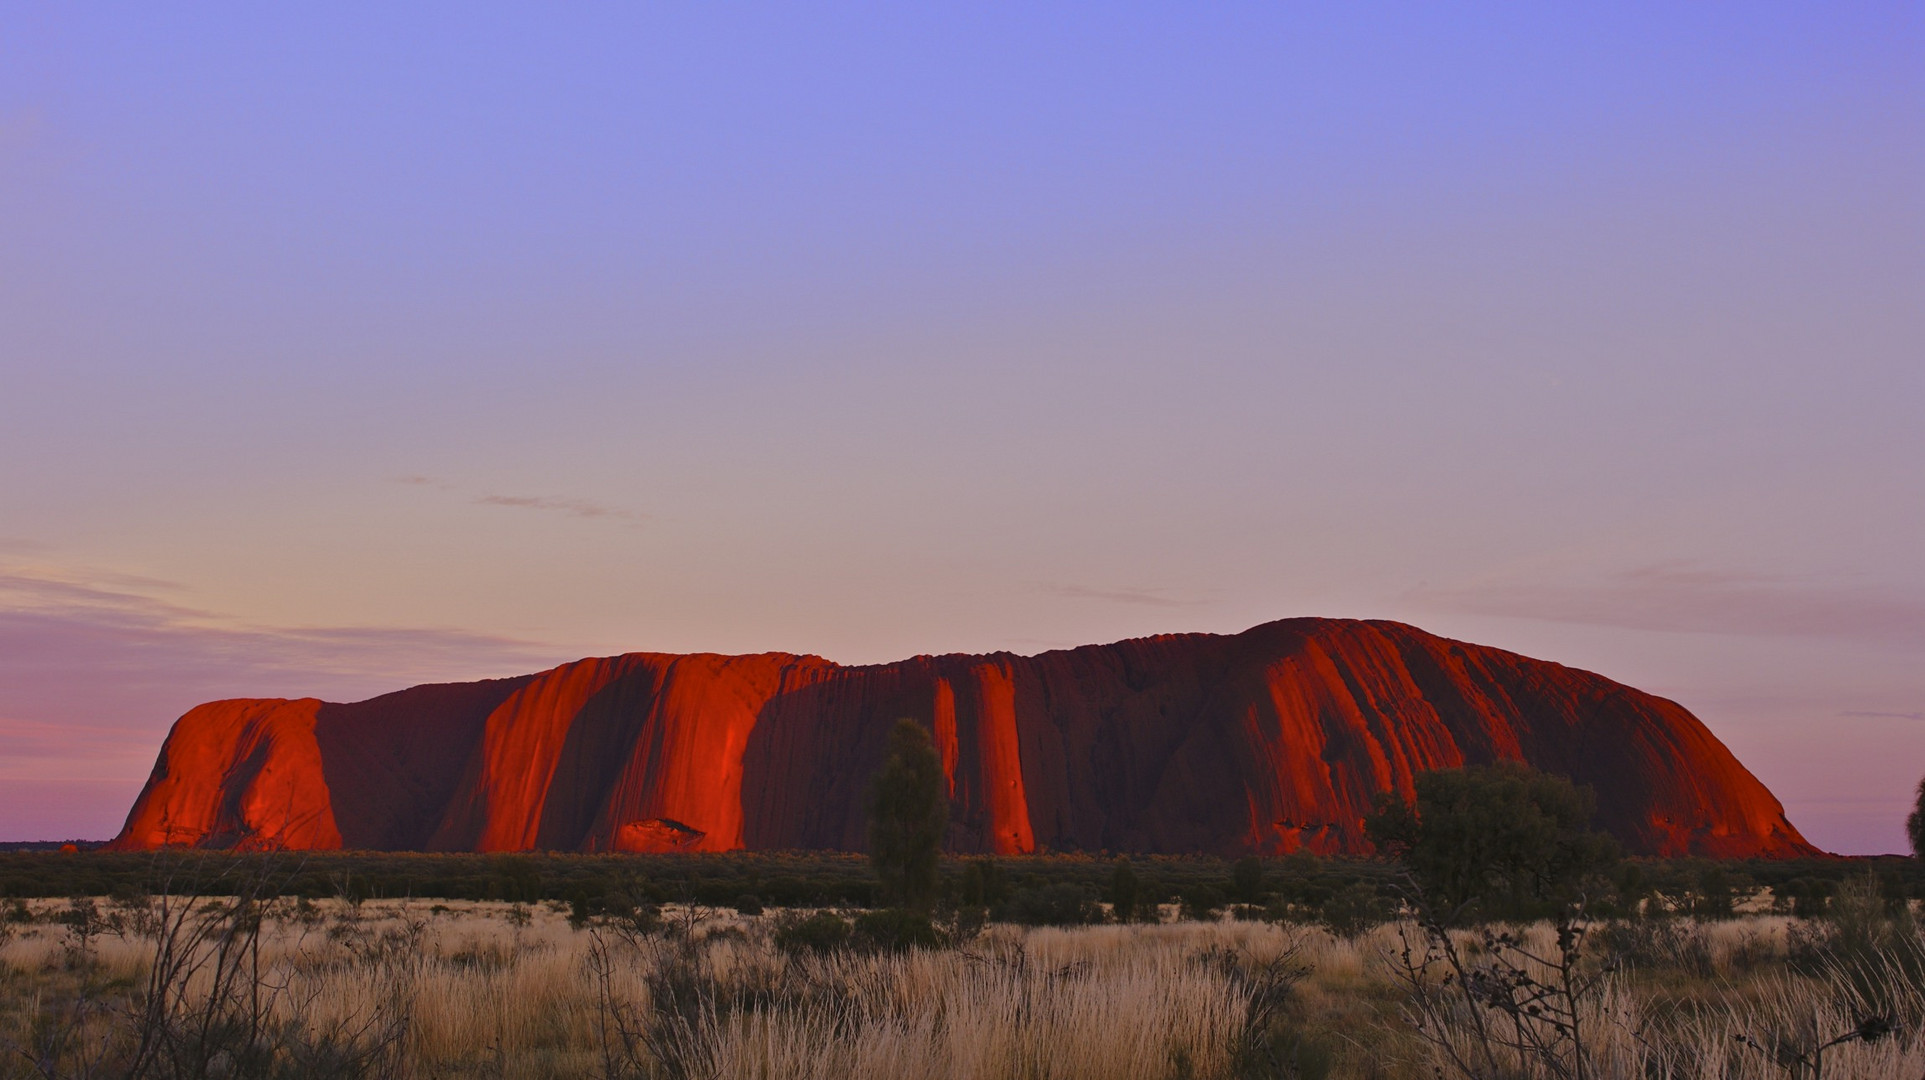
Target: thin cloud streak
1860 714
1680 597
87 657
581 508
562 504
93 670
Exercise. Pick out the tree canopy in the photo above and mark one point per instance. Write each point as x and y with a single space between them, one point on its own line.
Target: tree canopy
1915 823
908 814
1501 840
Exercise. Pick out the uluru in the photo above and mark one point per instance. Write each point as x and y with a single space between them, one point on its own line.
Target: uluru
1270 741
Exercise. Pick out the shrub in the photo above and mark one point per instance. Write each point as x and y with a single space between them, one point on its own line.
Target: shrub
515 878
1354 909
1805 898
983 883
1246 879
1713 894
1062 904
1123 892
1656 945
897 930
1873 949
623 904
748 904
1201 902
1632 890
581 908
1150 898
823 932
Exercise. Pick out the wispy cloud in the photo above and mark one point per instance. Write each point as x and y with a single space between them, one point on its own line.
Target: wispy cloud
1145 597
1867 714
94 667
1681 596
560 504
101 651
31 749
582 508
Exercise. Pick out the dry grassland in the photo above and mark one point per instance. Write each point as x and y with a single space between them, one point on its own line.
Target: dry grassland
476 989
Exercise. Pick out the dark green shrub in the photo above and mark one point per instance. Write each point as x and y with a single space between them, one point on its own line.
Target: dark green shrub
516 878
357 889
1298 899
1806 898
1355 909
748 904
897 930
1246 880
581 908
1893 892
1200 902
1631 889
1062 904
823 932
983 884
626 906
1123 892
1713 893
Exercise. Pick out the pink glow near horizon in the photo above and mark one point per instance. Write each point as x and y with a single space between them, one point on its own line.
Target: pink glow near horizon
335 361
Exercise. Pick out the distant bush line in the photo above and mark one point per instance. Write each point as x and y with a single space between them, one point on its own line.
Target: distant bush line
1029 889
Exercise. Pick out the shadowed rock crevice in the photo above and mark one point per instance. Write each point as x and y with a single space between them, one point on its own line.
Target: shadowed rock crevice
393 762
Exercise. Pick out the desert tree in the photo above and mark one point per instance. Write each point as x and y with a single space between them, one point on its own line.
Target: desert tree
1124 891
908 814
1497 841
1915 823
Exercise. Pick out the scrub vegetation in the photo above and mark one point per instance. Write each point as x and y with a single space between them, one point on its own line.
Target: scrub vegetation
178 987
1497 939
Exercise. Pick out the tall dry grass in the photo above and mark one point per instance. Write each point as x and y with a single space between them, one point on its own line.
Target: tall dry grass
500 991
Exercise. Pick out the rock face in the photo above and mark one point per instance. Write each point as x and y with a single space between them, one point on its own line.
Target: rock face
1268 741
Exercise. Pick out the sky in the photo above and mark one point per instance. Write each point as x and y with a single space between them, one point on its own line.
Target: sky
345 347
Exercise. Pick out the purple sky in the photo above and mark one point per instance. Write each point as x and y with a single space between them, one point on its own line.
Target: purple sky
348 349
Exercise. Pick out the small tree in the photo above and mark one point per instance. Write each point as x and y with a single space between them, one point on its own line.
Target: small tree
1123 891
1246 879
1498 841
1503 839
908 814
1915 824
983 883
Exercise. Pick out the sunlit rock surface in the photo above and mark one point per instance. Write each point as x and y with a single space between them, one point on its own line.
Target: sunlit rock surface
1269 741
